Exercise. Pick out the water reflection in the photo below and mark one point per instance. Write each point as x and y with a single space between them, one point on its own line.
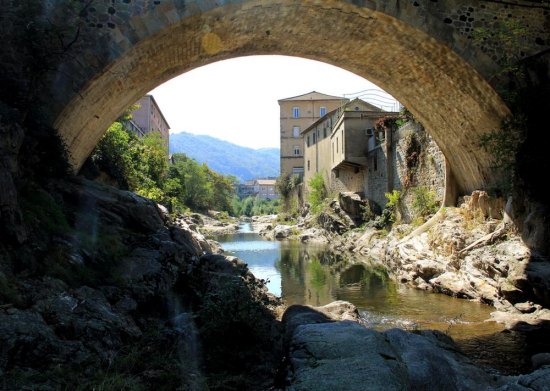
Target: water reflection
308 274
313 275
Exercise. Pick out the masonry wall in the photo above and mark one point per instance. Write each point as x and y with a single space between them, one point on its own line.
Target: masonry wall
348 180
429 172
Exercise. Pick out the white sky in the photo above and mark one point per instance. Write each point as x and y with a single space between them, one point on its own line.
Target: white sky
236 100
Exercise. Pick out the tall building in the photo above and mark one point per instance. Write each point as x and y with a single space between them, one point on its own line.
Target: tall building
297 114
148 118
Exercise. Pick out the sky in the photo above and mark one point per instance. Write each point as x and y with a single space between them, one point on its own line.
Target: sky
236 100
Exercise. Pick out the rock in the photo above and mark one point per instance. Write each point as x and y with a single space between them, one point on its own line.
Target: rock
351 204
282 231
314 235
327 355
535 381
539 360
26 341
488 207
340 310
526 307
11 140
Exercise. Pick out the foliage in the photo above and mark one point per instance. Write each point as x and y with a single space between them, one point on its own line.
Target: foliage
390 213
197 186
317 193
141 165
510 35
255 206
424 201
404 116
386 122
286 184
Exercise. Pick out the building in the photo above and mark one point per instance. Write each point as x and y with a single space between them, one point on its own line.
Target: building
266 189
263 188
353 156
148 118
246 189
296 114
336 146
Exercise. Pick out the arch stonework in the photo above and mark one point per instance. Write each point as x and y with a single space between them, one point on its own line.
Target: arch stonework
409 49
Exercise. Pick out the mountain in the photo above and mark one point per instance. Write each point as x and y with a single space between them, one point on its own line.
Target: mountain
227 158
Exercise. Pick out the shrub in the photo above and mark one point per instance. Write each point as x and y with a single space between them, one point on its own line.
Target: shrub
424 202
317 193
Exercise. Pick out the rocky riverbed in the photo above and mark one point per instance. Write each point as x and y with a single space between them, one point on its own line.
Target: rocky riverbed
115 293
458 254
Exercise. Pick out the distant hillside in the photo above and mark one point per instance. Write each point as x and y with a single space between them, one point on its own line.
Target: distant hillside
227 158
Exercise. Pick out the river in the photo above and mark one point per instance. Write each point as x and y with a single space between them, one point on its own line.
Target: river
313 275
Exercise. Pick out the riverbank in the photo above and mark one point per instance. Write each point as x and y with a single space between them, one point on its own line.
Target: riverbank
465 252
115 294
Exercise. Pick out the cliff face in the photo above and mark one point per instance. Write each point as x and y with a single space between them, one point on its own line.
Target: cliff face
108 290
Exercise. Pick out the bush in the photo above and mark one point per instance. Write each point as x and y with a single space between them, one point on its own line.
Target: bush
317 193
424 202
389 214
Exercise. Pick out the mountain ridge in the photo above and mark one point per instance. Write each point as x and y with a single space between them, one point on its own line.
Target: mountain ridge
227 158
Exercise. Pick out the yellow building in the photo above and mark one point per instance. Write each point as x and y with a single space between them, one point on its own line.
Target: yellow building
336 145
296 114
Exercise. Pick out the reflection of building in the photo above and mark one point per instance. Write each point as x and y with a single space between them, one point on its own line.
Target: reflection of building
336 145
263 188
148 118
296 114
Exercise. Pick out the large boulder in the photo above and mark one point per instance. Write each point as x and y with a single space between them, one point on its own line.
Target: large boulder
343 355
357 208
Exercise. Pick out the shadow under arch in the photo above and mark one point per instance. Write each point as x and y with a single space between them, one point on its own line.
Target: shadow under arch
454 103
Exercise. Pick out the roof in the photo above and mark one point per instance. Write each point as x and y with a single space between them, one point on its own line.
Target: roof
313 95
266 182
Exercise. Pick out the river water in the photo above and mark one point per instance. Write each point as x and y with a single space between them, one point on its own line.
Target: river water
313 275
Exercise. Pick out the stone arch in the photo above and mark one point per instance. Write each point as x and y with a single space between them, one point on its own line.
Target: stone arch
451 99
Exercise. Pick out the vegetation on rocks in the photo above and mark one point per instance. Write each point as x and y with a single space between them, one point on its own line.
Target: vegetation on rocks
318 192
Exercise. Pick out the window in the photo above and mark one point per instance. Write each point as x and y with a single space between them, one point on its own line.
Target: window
298 171
325 132
295 112
336 144
307 140
322 111
296 131
314 138
296 150
308 166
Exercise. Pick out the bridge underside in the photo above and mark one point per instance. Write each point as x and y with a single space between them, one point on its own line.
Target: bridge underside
454 103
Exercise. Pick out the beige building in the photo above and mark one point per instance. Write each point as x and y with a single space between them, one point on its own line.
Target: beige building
266 189
296 114
336 146
148 118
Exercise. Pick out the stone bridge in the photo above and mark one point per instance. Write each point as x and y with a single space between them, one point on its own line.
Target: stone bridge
423 52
